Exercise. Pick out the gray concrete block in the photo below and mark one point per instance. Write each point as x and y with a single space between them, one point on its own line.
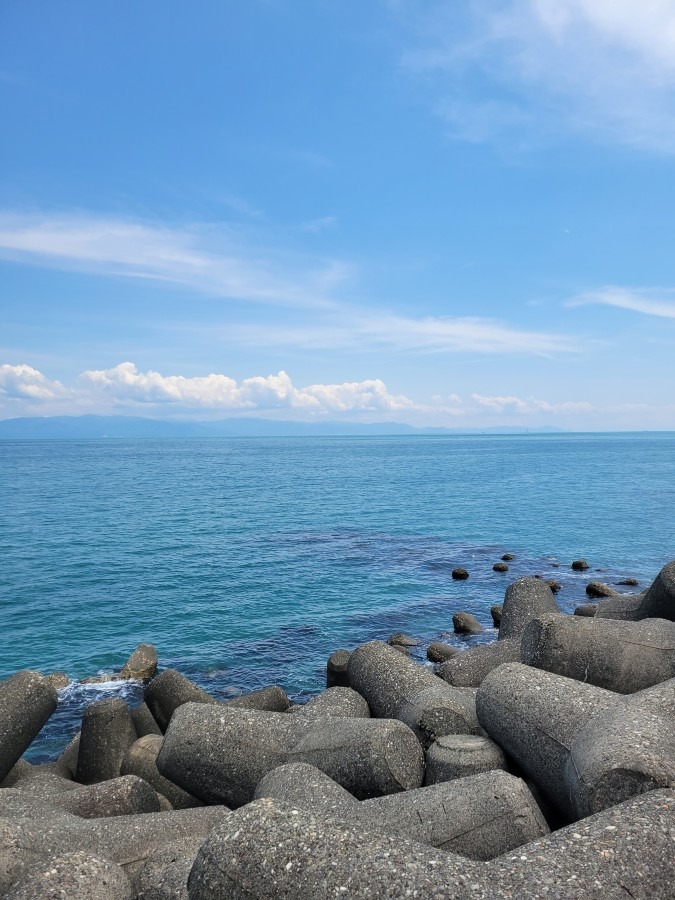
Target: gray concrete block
141 760
144 721
169 690
220 754
126 840
478 817
397 687
27 700
465 623
334 701
66 764
625 750
535 716
469 668
18 771
124 796
657 602
336 669
310 788
269 849
107 733
620 656
368 757
461 755
272 699
76 876
438 652
141 665
164 875
524 600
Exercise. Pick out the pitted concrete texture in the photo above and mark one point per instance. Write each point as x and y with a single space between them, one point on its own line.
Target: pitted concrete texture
220 754
460 755
625 750
524 600
270 849
272 699
334 701
477 817
468 669
126 840
27 700
141 760
535 716
107 733
397 687
657 602
76 876
620 656
168 691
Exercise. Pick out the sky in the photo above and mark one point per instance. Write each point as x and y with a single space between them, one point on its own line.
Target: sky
439 213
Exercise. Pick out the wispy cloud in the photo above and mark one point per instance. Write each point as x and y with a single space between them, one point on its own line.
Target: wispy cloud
529 68
528 405
649 301
382 330
204 259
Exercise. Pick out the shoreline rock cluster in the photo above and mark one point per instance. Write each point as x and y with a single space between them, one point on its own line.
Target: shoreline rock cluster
540 765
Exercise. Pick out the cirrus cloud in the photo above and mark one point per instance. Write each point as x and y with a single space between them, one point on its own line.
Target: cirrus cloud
533 68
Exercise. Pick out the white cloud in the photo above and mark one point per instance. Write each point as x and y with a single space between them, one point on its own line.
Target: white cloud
650 301
508 404
600 66
127 386
26 383
204 259
373 331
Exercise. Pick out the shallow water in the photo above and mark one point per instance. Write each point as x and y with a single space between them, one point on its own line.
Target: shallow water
247 561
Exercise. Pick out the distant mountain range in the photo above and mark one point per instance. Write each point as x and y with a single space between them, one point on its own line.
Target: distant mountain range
100 427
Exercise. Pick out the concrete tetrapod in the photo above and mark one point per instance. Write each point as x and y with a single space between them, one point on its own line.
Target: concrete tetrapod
657 602
271 849
396 687
107 733
168 691
77 876
334 701
460 755
479 817
535 717
126 840
27 700
220 754
620 656
524 599
625 750
141 760
124 796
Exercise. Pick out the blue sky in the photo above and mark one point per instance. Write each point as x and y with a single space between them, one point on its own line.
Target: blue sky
447 213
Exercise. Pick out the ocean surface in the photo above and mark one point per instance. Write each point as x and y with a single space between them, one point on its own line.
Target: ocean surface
247 561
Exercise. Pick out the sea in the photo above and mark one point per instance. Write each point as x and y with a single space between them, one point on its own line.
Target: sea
248 561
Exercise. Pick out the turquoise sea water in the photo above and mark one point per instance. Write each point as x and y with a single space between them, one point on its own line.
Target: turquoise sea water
247 561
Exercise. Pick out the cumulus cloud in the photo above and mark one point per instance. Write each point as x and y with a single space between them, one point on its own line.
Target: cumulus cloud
649 301
26 383
207 260
126 385
604 66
